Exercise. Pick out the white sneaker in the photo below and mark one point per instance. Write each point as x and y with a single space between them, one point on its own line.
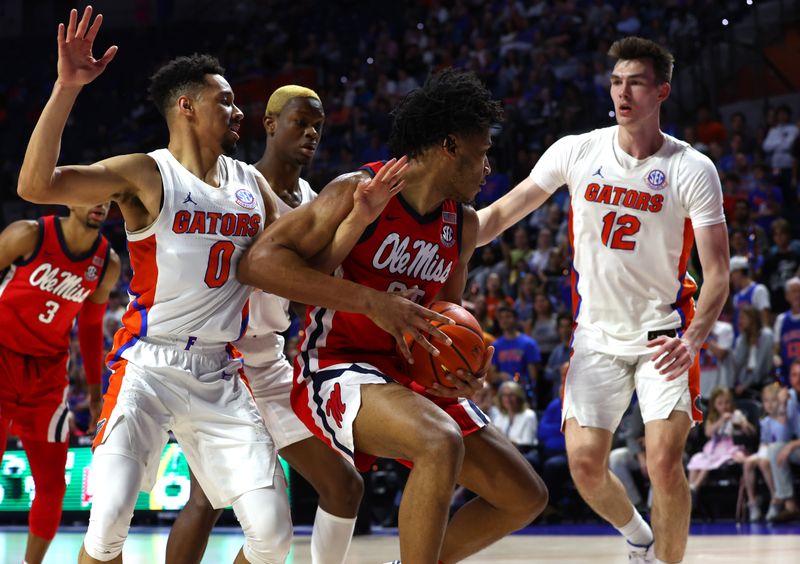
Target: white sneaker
641 554
754 512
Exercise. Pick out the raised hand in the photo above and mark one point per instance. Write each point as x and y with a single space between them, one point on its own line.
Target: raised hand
372 195
396 314
76 65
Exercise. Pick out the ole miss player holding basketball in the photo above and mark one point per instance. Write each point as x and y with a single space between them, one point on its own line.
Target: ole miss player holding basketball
55 269
349 388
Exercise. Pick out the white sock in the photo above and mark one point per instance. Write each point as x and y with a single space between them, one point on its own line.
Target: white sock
662 562
330 538
637 531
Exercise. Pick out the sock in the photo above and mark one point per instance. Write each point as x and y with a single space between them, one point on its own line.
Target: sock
662 562
330 538
637 531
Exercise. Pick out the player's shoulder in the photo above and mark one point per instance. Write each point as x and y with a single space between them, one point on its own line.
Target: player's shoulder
345 183
579 145
22 229
690 158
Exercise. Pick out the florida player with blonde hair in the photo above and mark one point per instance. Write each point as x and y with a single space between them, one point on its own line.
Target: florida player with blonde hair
350 387
639 198
293 124
54 269
190 211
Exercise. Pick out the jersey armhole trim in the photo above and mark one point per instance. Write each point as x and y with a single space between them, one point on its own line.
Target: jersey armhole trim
37 248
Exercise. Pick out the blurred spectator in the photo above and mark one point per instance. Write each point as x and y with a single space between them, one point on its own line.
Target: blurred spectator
709 130
523 305
719 428
554 452
778 146
542 326
495 295
781 454
752 354
541 254
787 331
781 263
716 359
743 220
485 400
739 128
516 355
558 357
516 420
488 261
626 460
747 291
773 430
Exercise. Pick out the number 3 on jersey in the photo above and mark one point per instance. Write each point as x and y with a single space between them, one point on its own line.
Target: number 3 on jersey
219 264
616 230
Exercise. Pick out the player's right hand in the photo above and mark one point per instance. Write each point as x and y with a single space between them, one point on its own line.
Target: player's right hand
396 314
76 65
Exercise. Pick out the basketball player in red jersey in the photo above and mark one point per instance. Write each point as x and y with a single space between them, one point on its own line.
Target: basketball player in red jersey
293 123
54 270
190 212
350 387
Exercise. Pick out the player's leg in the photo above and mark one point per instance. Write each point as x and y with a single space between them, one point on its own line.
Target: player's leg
510 495
340 489
588 451
394 422
47 462
667 411
665 440
189 534
337 482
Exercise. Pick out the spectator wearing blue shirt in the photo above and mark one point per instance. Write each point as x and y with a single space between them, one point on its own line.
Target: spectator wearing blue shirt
554 451
516 355
787 330
781 454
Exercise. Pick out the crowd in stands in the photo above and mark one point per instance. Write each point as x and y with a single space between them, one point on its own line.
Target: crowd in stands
546 60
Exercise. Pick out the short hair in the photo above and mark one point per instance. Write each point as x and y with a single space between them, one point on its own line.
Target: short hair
180 76
793 281
282 95
781 224
633 48
451 102
507 309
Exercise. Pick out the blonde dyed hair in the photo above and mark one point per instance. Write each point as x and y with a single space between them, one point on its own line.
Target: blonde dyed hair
282 95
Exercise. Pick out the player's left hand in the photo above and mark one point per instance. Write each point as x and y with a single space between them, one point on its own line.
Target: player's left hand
466 384
673 357
372 195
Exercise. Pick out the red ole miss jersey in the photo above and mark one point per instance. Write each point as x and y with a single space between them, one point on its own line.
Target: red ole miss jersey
40 297
400 250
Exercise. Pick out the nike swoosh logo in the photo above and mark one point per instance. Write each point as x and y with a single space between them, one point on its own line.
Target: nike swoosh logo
391 217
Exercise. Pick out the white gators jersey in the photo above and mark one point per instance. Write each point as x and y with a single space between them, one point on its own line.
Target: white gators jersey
631 231
184 264
269 314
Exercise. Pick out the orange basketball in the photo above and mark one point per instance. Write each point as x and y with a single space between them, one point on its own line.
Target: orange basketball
467 350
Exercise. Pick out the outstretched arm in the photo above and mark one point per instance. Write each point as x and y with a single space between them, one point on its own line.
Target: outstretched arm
280 262
39 179
677 354
524 198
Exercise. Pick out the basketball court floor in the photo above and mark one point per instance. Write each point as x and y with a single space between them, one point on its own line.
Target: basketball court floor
717 543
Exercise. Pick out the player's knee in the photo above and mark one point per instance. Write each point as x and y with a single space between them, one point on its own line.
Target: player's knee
342 488
588 475
665 467
45 514
106 533
267 539
443 443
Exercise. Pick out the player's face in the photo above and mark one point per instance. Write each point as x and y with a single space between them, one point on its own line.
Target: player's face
471 166
296 131
217 115
92 217
636 95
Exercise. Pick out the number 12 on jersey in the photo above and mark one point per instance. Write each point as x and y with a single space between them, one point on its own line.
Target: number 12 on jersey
618 230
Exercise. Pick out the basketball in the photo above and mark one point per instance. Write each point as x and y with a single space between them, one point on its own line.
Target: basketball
467 350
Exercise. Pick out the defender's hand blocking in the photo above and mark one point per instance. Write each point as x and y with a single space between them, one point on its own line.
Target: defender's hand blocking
673 357
371 196
465 385
396 314
76 65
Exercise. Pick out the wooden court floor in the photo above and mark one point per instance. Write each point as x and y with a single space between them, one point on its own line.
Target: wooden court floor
148 547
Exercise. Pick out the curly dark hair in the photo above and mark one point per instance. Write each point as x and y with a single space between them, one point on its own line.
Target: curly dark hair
451 102
180 76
